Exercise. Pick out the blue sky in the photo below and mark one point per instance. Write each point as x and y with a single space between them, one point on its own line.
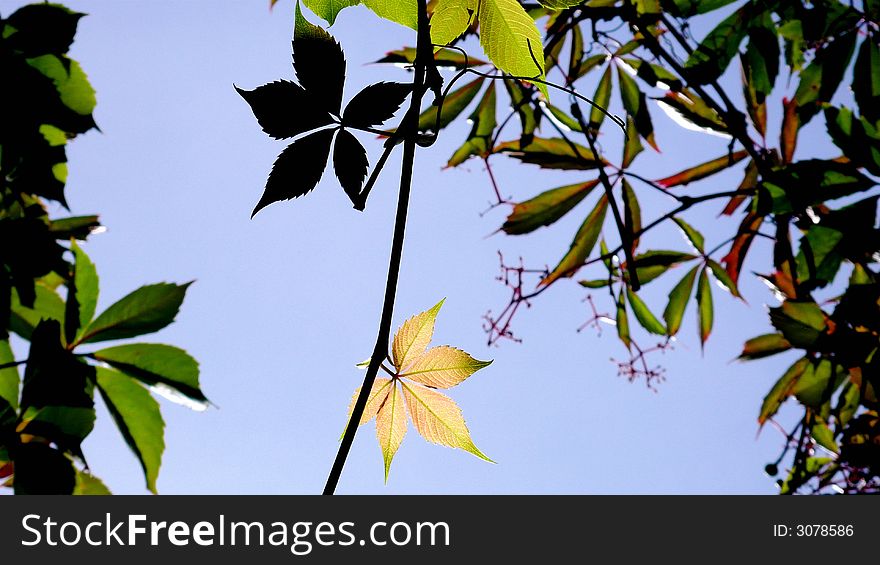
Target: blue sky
284 305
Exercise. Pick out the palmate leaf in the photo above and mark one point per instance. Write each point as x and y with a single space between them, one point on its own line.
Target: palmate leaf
375 104
349 162
298 169
319 63
284 109
413 337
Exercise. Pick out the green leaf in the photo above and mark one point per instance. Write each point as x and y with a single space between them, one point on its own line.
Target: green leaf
404 13
442 57
602 99
9 377
559 4
85 284
70 81
654 75
857 137
764 346
511 40
652 264
818 382
89 485
821 79
632 212
678 300
824 436
78 227
691 234
452 106
520 99
451 18
691 112
644 315
632 146
703 170
137 416
563 119
723 278
552 153
47 306
688 8
866 79
622 321
818 260
781 390
53 375
64 426
146 310
39 469
479 141
704 306
583 244
329 9
170 371
717 49
546 208
802 323
636 105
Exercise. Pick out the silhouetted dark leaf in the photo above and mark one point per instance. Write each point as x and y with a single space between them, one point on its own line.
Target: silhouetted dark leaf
78 227
284 109
349 162
39 469
375 104
866 78
40 29
298 169
319 63
821 79
53 376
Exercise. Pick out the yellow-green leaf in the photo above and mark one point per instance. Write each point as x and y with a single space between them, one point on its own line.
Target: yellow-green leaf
438 419
403 12
89 485
413 337
378 394
329 9
583 244
511 39
391 426
9 377
691 234
644 315
678 299
704 306
443 367
451 18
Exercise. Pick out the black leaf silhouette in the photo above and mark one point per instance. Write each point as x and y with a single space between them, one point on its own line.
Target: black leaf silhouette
298 169
319 63
350 163
375 104
272 104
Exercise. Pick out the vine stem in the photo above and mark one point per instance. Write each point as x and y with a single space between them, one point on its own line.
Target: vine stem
380 351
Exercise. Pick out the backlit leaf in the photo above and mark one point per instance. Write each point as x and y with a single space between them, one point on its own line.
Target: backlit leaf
511 40
329 9
89 485
70 80
764 346
520 102
378 393
413 337
146 310
644 315
551 153
319 62
691 112
678 299
85 283
703 170
652 264
781 390
451 18
284 109
582 245
704 306
601 98
866 79
691 234
633 145
718 48
546 208
632 212
405 13
298 169
636 106
443 58
391 425
349 162
818 382
452 105
438 419
47 305
443 367
723 278
137 416
375 104
802 323
621 320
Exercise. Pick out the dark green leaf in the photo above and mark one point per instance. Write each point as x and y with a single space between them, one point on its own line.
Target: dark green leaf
632 146
479 141
39 469
64 426
703 170
601 99
596 283
319 63
350 163
704 306
40 29
866 79
818 260
632 212
818 382
452 105
636 106
801 323
718 48
298 169
688 8
824 436
622 321
551 153
520 101
723 277
137 416
652 264
857 137
562 118
53 375
146 310
375 104
678 300
47 305
764 346
588 64
654 75
160 366
781 390
285 110
582 245
9 377
444 58
84 298
691 111
821 79
546 208
78 227
644 315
